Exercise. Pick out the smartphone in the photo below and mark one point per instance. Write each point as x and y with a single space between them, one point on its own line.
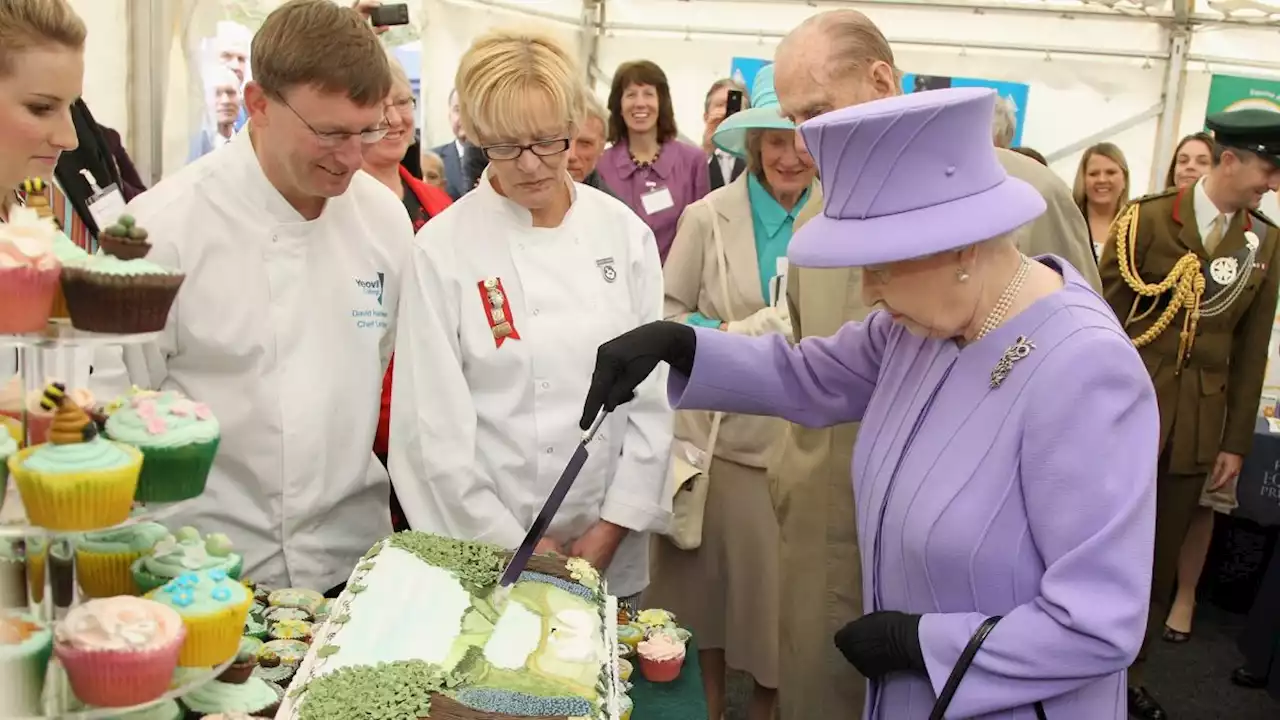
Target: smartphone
388 15
733 103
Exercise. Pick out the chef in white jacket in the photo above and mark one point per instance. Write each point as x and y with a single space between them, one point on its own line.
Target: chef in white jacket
508 294
285 322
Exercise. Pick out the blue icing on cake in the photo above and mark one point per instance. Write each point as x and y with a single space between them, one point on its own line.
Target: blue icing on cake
508 702
569 587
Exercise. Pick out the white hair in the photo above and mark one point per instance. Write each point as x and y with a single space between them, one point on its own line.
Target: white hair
593 109
1004 122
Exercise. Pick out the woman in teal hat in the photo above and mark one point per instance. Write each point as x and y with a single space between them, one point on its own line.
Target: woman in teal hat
725 271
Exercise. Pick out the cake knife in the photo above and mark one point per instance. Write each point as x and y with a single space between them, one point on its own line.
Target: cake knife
521 557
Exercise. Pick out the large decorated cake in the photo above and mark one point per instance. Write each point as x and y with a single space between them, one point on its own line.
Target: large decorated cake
423 630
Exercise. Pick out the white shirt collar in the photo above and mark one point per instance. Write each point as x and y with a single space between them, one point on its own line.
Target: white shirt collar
517 212
1205 210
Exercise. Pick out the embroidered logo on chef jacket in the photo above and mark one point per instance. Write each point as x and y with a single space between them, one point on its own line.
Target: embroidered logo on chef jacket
607 269
371 318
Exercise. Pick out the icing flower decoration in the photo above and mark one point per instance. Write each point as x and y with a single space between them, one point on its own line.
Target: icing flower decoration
192 553
183 597
221 594
187 580
217 575
654 617
156 426
582 571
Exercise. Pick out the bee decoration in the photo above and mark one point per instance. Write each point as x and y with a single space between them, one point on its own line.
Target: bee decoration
54 394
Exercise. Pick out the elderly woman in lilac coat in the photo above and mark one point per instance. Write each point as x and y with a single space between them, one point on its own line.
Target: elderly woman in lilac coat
1005 469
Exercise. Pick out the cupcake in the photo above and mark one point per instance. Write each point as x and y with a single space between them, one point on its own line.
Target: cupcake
58 564
625 669
126 240
13 574
213 607
167 710
277 614
242 667
301 598
8 446
104 558
255 628
254 697
273 669
183 553
291 630
39 419
630 635
661 658
112 294
251 645
178 439
120 651
233 716
25 647
78 480
625 706
29 271
654 618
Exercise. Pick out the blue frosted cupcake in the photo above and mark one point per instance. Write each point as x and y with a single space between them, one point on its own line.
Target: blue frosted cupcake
183 553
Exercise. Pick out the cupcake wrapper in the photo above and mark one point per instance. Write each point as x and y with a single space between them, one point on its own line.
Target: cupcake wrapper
120 678
85 500
104 575
213 638
37 426
59 309
661 671
27 676
36 565
123 249
26 296
111 304
174 474
148 581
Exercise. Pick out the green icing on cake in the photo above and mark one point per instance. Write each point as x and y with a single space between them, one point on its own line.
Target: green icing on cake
327 650
97 454
111 265
386 691
476 565
215 696
7 444
128 540
67 252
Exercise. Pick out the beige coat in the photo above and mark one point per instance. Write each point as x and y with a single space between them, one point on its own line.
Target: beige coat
694 284
812 488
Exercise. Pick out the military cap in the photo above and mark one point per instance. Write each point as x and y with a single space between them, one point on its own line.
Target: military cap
1252 129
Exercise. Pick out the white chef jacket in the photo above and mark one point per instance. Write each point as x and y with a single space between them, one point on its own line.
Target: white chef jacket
285 328
480 433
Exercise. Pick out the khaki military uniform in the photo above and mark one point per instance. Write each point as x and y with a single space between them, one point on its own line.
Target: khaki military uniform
1207 387
810 479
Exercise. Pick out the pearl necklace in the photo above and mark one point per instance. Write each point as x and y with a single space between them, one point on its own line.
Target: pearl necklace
996 316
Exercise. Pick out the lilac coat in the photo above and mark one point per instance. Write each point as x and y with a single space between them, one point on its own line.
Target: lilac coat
1034 500
681 168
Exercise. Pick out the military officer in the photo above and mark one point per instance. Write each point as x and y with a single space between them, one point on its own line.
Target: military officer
1191 275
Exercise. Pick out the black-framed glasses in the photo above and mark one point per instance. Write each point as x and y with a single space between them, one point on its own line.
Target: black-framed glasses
511 151
338 138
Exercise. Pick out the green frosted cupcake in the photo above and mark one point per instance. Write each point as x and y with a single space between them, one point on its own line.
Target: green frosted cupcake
104 559
254 696
178 439
26 645
183 553
255 628
167 710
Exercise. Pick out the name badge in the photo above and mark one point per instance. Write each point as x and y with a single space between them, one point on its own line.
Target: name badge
657 200
106 206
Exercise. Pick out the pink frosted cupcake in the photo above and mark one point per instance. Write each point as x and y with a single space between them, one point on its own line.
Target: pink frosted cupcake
661 657
29 271
119 651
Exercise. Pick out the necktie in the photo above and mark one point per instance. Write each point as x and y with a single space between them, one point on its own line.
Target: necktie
1215 233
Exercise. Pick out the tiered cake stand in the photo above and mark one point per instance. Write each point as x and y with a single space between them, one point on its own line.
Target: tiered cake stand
33 352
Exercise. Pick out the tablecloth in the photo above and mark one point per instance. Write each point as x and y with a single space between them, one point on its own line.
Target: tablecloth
681 699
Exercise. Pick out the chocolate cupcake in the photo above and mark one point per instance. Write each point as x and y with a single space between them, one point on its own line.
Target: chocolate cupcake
116 293
241 669
125 240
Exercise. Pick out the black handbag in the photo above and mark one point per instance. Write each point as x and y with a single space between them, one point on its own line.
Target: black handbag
962 667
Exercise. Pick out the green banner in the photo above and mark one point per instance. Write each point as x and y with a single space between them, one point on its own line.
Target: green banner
1228 92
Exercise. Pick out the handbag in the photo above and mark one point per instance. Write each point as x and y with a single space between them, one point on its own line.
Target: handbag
962 666
691 466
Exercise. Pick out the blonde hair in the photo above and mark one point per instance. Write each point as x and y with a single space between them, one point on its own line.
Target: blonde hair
398 73
26 24
502 71
318 43
1112 153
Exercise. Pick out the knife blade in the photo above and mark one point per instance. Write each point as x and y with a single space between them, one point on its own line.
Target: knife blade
549 508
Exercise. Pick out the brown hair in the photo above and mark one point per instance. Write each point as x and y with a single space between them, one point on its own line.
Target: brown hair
641 72
1113 153
318 43
25 24
1204 137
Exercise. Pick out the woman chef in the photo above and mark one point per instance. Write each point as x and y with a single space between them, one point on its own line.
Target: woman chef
509 293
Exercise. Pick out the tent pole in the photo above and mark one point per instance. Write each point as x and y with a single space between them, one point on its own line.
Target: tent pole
148 54
1175 85
1105 133
589 35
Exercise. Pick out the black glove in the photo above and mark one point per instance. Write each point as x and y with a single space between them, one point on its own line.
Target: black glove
625 361
882 642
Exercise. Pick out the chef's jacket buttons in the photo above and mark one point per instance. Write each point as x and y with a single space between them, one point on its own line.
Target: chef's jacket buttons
550 450
546 385
536 311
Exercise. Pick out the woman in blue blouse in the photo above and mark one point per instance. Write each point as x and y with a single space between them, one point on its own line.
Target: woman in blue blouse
724 271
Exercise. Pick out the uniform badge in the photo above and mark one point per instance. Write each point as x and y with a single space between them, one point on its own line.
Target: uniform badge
497 310
607 269
1224 270
1251 240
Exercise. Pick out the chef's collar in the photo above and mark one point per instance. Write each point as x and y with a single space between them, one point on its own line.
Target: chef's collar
518 213
258 185
663 166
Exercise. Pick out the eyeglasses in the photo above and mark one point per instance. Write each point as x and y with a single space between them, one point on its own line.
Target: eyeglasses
339 138
542 148
405 104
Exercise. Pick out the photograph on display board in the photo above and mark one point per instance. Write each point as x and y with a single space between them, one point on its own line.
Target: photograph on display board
1010 92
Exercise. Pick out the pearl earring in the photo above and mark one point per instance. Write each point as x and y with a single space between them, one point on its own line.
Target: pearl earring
961 275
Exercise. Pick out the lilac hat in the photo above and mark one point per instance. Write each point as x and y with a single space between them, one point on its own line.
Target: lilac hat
909 176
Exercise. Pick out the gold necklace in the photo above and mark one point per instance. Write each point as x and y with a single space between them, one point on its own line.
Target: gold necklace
997 314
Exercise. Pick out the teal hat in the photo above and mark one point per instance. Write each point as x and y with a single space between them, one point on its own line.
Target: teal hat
764 114
1252 129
